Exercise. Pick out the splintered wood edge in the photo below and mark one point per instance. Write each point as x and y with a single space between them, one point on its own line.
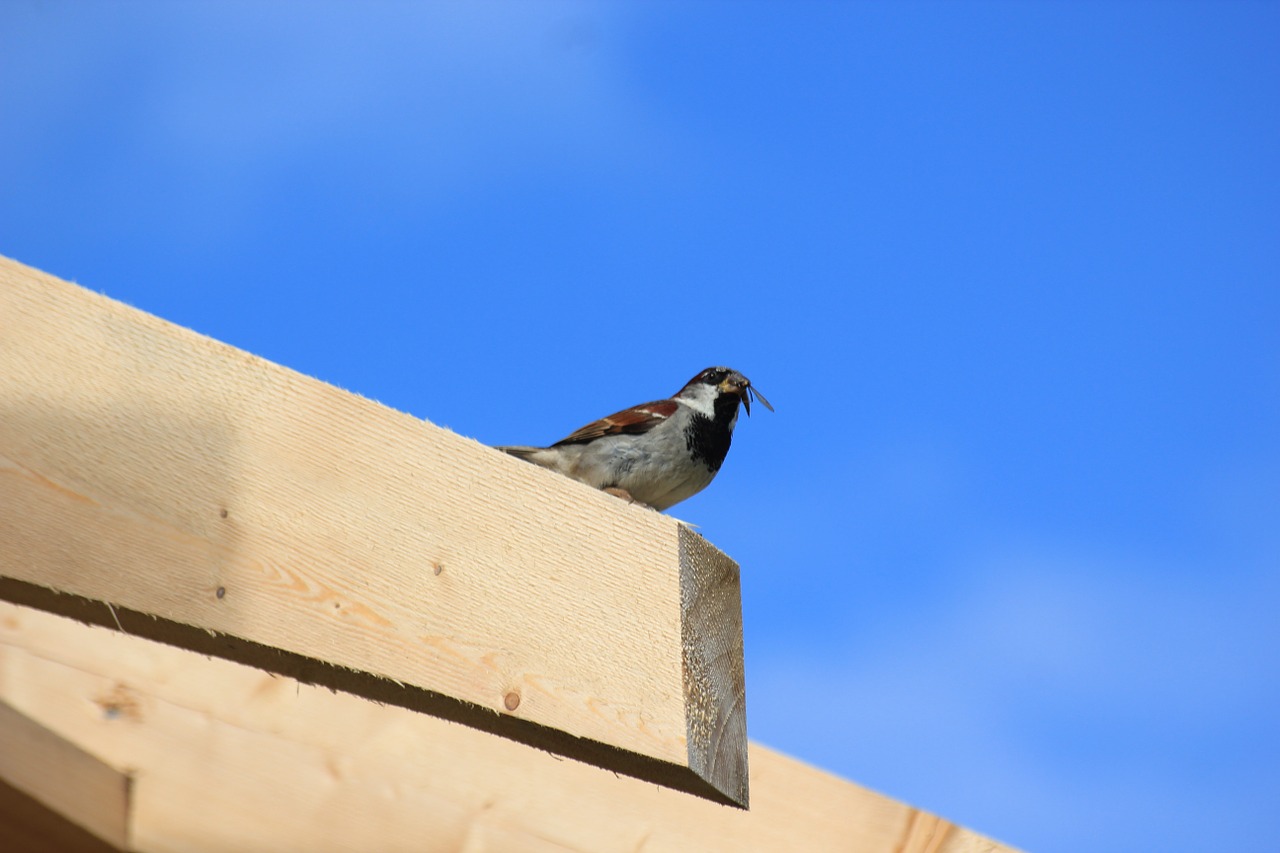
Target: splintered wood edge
714 681
61 776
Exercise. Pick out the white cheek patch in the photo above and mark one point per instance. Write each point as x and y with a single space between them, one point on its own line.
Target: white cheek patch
702 400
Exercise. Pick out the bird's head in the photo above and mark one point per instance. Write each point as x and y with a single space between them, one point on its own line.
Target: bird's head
715 381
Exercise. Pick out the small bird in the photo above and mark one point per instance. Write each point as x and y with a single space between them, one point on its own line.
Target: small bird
655 454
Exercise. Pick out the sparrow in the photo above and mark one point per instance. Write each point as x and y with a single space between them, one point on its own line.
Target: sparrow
655 454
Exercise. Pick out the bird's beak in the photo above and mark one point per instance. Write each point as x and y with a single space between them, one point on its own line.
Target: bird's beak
738 384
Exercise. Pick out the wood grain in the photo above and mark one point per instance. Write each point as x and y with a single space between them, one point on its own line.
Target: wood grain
63 777
711 612
306 530
228 757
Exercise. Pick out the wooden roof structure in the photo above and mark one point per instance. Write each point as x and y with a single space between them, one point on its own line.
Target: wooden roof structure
251 611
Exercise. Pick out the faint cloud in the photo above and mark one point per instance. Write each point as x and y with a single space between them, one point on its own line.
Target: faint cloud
237 103
1046 694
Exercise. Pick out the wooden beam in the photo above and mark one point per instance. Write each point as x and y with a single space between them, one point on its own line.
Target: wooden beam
228 758
159 481
65 779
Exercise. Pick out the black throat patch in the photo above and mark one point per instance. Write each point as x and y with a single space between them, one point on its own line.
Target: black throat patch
708 438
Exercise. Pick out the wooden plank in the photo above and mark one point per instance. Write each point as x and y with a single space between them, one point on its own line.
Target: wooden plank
67 780
231 758
228 505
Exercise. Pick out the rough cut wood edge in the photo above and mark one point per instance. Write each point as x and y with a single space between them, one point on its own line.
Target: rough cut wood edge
64 778
231 758
201 496
714 681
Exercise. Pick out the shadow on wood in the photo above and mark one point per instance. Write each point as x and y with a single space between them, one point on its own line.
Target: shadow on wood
380 690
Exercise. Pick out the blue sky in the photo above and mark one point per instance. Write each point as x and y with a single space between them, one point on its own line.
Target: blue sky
1010 273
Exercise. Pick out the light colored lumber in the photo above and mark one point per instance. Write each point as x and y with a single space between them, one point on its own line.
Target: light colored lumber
228 757
279 521
62 776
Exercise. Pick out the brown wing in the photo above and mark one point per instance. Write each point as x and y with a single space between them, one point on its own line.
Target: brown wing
631 421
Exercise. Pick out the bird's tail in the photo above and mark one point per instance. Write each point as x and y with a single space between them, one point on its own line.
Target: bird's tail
543 457
525 453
